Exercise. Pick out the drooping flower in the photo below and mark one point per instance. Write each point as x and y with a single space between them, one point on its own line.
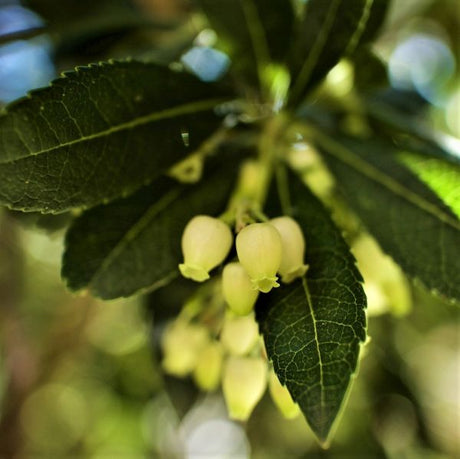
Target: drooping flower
282 398
206 242
244 382
208 370
239 335
182 344
259 250
293 251
237 289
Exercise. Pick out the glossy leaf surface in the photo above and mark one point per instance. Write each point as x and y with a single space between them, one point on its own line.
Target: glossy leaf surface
329 30
101 132
313 328
133 243
254 32
410 222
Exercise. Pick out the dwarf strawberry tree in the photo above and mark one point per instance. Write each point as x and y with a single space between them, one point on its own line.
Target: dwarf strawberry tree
132 150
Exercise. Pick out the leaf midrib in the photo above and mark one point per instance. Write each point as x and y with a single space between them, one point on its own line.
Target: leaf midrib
356 37
318 351
347 156
316 49
142 222
257 35
184 109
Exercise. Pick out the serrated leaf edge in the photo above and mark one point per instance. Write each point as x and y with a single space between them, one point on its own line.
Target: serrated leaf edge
348 157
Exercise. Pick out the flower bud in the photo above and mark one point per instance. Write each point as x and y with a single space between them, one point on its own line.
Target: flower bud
239 334
206 242
386 288
237 289
189 170
209 367
244 383
293 244
282 398
182 344
259 251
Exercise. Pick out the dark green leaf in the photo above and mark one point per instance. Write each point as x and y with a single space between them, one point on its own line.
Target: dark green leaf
78 11
399 113
253 32
313 328
133 244
369 71
87 31
329 30
410 222
100 132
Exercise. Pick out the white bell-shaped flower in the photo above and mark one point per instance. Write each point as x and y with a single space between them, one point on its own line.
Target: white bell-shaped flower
239 335
259 251
206 242
208 370
293 252
237 289
243 384
182 344
282 398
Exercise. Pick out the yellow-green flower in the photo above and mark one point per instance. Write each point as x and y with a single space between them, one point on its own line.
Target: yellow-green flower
208 370
206 242
244 382
239 335
182 344
293 251
282 397
259 251
237 289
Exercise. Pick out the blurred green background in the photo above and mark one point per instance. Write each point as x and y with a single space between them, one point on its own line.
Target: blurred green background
80 378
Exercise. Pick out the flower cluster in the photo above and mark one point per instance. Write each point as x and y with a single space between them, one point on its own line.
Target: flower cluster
264 250
233 358
223 347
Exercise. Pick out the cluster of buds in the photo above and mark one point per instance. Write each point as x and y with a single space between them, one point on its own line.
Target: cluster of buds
264 250
231 354
233 358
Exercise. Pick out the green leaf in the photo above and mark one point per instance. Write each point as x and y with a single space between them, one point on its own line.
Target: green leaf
101 132
399 113
253 32
442 177
313 328
133 244
369 71
410 222
329 30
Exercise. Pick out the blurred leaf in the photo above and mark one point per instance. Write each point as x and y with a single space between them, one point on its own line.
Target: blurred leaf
329 30
369 71
133 244
400 113
439 175
313 327
408 220
254 32
73 144
75 10
98 37
85 31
